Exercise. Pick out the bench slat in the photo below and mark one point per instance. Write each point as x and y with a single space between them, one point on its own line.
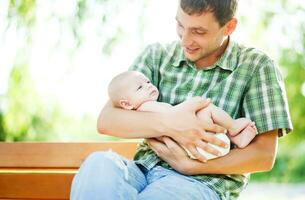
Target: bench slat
57 155
35 186
44 170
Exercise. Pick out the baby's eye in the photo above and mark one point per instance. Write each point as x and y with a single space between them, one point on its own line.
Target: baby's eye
148 82
140 87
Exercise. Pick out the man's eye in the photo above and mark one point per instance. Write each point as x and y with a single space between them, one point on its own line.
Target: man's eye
200 33
140 87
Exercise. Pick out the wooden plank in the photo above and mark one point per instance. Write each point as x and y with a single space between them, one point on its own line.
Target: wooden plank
37 171
57 155
35 186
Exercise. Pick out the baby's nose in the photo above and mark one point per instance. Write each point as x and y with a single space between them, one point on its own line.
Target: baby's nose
148 85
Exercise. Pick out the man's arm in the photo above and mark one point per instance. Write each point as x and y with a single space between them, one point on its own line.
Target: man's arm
180 124
258 156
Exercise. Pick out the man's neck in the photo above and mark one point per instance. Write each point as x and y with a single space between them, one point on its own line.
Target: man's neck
213 57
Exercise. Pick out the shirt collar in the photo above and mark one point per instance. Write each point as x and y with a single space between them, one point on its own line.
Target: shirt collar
227 61
180 57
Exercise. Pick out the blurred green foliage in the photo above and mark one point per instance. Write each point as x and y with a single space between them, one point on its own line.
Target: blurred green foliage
25 116
289 166
21 115
294 63
28 118
22 12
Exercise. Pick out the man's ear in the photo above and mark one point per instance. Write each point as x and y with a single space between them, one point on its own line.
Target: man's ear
230 26
125 104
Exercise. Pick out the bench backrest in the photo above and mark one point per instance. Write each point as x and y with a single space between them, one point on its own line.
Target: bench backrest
35 170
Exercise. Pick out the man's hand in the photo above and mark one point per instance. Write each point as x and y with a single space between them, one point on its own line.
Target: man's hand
188 131
169 151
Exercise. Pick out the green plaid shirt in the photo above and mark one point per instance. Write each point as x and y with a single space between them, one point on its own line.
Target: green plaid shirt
244 82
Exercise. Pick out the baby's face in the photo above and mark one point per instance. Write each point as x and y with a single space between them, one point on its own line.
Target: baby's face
139 90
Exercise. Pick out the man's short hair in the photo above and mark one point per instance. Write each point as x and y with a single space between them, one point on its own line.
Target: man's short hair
223 10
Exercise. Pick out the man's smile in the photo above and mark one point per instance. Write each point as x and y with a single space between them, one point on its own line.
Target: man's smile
191 50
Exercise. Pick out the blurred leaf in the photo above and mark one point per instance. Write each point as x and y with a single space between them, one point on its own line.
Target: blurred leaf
23 11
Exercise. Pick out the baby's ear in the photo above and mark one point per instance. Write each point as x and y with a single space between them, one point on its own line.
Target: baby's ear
125 104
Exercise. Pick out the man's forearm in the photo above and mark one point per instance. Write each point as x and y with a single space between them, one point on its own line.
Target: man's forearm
180 123
129 124
258 156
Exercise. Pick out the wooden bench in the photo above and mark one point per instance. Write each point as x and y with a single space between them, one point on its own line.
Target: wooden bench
30 170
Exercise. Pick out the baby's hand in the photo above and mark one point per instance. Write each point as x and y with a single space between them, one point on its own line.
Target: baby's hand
253 126
245 136
239 125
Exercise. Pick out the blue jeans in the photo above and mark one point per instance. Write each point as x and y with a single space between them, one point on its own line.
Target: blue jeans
107 175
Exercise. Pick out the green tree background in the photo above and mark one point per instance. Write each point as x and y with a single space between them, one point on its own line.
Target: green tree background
24 116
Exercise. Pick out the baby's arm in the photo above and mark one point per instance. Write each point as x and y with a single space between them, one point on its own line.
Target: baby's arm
213 114
154 106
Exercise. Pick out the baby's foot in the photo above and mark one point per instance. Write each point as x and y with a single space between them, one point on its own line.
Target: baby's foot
239 125
245 136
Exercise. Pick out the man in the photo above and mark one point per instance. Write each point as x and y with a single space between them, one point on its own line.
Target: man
205 62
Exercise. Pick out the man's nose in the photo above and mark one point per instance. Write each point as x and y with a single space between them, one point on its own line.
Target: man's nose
186 38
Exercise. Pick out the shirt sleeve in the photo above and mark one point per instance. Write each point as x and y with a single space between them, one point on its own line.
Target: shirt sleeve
265 101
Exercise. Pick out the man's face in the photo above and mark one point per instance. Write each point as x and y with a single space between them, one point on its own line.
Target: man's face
201 35
139 90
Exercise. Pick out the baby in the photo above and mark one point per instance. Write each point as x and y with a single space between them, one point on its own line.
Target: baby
133 91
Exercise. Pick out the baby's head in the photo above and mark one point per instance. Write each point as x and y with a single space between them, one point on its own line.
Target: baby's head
131 89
